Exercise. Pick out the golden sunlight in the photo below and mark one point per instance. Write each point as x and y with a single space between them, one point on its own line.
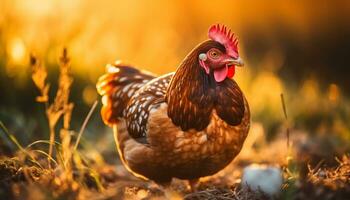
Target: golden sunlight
333 93
17 51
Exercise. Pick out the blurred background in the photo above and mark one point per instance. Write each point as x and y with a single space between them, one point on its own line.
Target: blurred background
298 48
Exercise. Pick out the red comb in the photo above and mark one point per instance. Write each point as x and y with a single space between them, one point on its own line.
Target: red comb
224 36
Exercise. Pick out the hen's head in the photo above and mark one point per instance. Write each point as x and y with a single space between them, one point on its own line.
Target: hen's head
220 54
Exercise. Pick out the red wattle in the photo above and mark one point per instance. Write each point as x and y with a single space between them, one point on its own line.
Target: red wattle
231 71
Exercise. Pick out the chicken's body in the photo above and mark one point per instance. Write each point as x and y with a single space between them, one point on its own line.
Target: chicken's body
183 124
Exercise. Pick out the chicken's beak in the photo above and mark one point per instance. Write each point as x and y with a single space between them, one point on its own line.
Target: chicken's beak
237 62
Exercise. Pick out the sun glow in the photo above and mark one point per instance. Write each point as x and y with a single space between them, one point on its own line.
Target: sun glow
17 51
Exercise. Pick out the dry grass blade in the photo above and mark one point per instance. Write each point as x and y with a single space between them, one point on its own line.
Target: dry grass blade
84 125
286 117
81 131
41 142
13 139
334 178
46 155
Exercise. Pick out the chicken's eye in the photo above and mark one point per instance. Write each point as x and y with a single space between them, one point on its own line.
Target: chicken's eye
214 54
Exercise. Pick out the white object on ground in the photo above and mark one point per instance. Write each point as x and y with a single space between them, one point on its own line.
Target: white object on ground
267 179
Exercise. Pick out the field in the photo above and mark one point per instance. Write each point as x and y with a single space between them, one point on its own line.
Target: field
54 145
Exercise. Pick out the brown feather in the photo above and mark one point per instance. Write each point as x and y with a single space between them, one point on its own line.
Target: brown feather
149 97
117 88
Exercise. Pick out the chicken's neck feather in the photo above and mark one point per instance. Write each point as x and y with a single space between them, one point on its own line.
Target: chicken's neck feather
192 94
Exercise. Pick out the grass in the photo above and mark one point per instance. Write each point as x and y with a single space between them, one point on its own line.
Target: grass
66 168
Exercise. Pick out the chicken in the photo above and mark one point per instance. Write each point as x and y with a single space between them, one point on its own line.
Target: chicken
186 124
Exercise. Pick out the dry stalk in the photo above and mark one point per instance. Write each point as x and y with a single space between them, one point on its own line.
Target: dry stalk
286 118
60 107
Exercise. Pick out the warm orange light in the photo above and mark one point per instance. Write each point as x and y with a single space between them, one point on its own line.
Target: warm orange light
333 93
89 95
17 51
310 91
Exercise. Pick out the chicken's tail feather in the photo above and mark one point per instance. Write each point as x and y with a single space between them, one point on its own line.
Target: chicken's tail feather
116 87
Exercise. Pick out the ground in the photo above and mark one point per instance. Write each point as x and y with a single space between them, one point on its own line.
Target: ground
306 177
